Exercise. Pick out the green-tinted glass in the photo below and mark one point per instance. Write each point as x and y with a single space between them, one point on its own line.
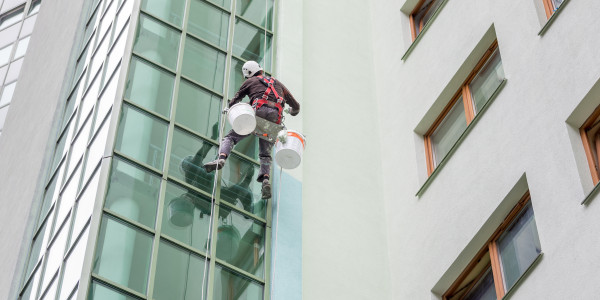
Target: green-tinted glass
229 285
171 11
248 146
186 216
255 11
487 81
188 155
142 137
198 109
179 274
208 22
249 44
239 186
123 254
236 78
241 241
133 192
203 64
150 87
449 130
157 42
226 4
100 291
36 248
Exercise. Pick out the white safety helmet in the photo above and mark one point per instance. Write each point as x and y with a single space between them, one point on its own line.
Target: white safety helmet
250 68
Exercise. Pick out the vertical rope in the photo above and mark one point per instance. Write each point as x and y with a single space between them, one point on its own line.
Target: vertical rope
266 23
276 229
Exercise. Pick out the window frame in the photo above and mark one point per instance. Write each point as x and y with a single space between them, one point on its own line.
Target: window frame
491 247
413 25
469 106
549 8
590 123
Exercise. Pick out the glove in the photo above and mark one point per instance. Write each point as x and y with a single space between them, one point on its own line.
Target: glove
225 110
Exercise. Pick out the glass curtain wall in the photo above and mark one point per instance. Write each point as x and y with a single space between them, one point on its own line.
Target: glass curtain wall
160 237
56 255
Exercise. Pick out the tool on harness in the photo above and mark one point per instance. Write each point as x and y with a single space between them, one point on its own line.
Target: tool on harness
270 83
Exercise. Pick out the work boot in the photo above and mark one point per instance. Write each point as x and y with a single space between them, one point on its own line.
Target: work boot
216 164
266 189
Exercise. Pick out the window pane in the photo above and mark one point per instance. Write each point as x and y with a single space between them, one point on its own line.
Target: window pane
7 93
55 254
519 246
255 10
5 54
229 285
203 64
236 78
36 249
28 26
188 155
186 216
99 291
85 206
449 130
226 4
198 110
150 87
123 254
209 23
22 47
142 137
425 13
557 4
487 81
484 289
11 18
171 11
9 35
248 146
240 187
249 44
35 7
32 287
178 274
157 42
3 112
73 267
14 70
133 192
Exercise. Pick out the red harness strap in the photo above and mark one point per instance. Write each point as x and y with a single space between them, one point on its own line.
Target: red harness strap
270 83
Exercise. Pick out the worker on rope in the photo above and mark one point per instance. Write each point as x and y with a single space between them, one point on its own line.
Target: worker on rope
267 96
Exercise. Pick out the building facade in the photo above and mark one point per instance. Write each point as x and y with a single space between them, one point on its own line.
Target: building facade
451 150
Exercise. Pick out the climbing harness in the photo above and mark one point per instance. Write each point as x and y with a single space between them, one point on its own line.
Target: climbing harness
257 103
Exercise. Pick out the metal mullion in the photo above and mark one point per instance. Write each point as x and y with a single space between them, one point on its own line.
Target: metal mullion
189 186
46 291
69 249
117 286
184 246
217 6
186 129
153 63
143 165
129 221
201 39
158 19
29 277
243 212
145 110
94 135
246 157
201 85
261 28
225 265
156 241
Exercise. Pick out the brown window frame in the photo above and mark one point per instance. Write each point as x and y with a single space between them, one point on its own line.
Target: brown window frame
549 8
591 146
413 25
469 106
490 247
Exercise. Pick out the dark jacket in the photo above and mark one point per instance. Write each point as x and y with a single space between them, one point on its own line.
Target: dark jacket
255 89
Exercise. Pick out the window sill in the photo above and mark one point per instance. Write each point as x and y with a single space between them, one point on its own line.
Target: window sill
591 194
552 18
418 38
512 290
460 139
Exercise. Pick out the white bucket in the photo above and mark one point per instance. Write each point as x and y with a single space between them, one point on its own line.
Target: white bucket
241 117
288 155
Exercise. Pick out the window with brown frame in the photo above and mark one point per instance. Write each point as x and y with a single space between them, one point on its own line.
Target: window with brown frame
468 101
590 136
551 6
507 255
422 14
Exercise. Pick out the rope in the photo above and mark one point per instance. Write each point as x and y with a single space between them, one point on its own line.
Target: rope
276 229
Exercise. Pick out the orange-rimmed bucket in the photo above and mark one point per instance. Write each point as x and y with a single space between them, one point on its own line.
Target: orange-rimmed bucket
288 154
241 118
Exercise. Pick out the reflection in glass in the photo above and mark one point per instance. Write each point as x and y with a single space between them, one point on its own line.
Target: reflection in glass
249 44
5 54
150 87
226 4
35 7
203 64
157 42
450 129
255 10
229 285
248 146
100 291
179 274
208 22
188 154
141 137
487 81
73 266
424 14
236 78
239 186
123 254
11 18
198 109
186 216
133 192
484 289
171 11
519 246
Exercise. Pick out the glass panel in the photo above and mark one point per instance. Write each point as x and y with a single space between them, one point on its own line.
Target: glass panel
209 23
5 54
157 42
203 64
70 107
179 274
36 249
115 55
557 4
186 216
95 152
142 137
107 19
249 44
67 198
56 253
50 292
9 35
236 78
247 146
519 246
150 87
28 26
171 11
188 155
99 291
229 285
226 4
98 59
50 196
85 206
239 186
484 289
3 112
133 192
73 267
198 109
425 13
123 16
3 71
31 289
11 18
487 81
241 241
7 93
13 70
123 254
255 10
35 7
22 47
449 130
79 145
